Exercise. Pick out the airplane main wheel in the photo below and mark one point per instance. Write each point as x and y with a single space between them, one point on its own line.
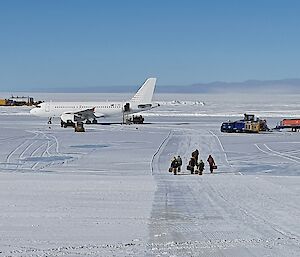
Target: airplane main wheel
95 121
88 122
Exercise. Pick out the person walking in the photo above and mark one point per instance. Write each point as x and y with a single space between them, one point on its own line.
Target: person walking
192 164
195 154
200 167
173 164
179 163
211 163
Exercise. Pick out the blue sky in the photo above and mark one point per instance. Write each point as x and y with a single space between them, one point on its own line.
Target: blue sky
77 43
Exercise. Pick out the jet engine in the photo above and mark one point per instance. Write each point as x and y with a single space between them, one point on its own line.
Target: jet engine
68 118
71 117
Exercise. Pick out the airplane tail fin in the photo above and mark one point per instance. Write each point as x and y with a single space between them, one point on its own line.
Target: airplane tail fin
145 93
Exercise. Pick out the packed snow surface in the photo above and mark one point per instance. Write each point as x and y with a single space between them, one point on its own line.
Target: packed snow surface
108 192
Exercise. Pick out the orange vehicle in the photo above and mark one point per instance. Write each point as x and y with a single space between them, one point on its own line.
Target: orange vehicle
294 124
290 123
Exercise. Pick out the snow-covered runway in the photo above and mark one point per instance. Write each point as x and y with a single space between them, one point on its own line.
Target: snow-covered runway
108 192
222 214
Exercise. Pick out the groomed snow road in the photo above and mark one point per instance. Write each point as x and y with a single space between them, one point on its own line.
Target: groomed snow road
108 192
229 213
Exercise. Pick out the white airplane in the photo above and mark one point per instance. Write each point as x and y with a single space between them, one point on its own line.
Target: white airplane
72 112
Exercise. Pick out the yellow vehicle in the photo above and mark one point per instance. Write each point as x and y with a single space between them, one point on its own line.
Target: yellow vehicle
3 102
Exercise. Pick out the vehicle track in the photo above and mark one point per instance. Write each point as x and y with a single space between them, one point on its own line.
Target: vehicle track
174 221
247 210
30 154
189 209
271 152
15 150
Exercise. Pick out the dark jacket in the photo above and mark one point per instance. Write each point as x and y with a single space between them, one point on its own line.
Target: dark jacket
201 166
195 153
211 161
174 164
179 160
192 162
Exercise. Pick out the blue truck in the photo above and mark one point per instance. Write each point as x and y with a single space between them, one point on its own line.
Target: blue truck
235 126
248 125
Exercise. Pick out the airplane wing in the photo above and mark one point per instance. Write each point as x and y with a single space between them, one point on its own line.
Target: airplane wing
86 114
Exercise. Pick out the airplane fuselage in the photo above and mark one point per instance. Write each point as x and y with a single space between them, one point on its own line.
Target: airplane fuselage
102 109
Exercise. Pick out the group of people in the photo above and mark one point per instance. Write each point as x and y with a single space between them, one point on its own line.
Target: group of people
195 166
176 164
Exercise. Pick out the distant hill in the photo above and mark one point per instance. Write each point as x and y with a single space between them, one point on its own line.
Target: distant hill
283 85
251 86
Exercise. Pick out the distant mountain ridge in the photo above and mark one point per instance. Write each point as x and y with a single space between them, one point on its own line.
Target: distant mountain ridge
283 85
251 86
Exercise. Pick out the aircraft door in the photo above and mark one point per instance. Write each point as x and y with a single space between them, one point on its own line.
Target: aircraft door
47 107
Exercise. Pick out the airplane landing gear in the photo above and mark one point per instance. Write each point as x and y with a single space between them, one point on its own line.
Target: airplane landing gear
69 123
95 121
88 122
50 120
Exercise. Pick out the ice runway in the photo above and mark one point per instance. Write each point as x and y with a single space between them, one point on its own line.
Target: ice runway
231 213
108 192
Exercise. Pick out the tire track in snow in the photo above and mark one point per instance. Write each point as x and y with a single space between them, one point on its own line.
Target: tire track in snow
47 152
15 150
278 154
40 137
173 217
33 155
254 216
294 158
133 248
222 148
29 149
158 150
185 206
